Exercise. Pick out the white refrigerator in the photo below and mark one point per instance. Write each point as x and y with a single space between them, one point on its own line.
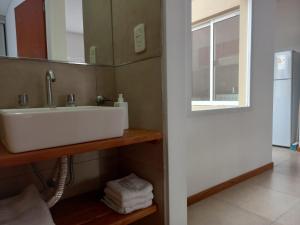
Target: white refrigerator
286 98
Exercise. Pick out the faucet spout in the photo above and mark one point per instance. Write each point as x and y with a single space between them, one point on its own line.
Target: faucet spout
50 78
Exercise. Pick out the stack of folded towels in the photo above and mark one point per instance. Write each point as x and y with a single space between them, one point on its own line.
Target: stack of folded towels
128 194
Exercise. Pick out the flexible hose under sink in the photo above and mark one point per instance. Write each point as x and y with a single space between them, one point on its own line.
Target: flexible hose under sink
63 172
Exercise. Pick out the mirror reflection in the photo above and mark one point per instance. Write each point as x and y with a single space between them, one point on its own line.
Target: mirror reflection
60 30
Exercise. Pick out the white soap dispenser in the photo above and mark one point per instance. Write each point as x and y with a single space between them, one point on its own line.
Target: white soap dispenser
124 105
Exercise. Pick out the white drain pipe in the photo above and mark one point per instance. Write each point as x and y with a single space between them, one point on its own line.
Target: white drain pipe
63 172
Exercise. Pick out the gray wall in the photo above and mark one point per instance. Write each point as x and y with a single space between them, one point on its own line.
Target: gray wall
28 76
126 15
97 23
140 80
287 29
141 83
25 76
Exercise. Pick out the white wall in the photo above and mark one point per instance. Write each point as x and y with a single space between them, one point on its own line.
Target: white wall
225 144
75 47
11 36
56 30
222 144
74 16
177 25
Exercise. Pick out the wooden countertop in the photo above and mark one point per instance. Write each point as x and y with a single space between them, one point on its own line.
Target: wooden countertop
130 137
87 209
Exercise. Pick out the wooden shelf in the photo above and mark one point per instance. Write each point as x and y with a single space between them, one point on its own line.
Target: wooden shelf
130 137
88 210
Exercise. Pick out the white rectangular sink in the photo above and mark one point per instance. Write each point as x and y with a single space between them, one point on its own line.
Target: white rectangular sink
24 130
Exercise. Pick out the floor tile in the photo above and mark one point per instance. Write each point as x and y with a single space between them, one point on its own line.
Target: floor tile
279 182
237 194
214 212
272 198
262 201
280 155
292 217
289 167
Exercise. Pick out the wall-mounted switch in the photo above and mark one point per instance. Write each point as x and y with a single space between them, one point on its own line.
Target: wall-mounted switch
93 55
139 38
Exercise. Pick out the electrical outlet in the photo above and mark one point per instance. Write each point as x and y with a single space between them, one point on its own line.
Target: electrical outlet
139 38
93 55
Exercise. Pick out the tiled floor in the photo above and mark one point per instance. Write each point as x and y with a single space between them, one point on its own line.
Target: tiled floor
272 198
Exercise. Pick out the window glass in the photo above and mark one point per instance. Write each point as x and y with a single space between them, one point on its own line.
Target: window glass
201 64
226 59
2 40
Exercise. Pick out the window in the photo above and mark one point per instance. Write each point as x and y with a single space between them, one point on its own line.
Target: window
221 59
2 41
216 61
2 36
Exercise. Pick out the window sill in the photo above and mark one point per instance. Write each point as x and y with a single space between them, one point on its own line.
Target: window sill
212 107
197 108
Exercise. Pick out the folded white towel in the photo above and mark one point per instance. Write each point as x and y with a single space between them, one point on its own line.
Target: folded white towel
24 209
130 202
125 210
130 187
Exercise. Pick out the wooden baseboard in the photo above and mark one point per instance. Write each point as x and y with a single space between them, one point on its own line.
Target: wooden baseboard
227 184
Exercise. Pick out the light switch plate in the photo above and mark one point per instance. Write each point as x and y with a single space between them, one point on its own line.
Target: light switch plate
139 38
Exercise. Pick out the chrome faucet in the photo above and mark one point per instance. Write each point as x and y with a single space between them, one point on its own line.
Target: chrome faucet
50 78
71 101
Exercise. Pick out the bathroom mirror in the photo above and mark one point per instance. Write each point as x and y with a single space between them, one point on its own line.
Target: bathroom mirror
76 31
98 32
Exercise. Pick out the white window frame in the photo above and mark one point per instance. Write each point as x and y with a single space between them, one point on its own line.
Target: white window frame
202 25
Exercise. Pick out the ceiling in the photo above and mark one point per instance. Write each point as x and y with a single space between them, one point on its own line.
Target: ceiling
4 4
